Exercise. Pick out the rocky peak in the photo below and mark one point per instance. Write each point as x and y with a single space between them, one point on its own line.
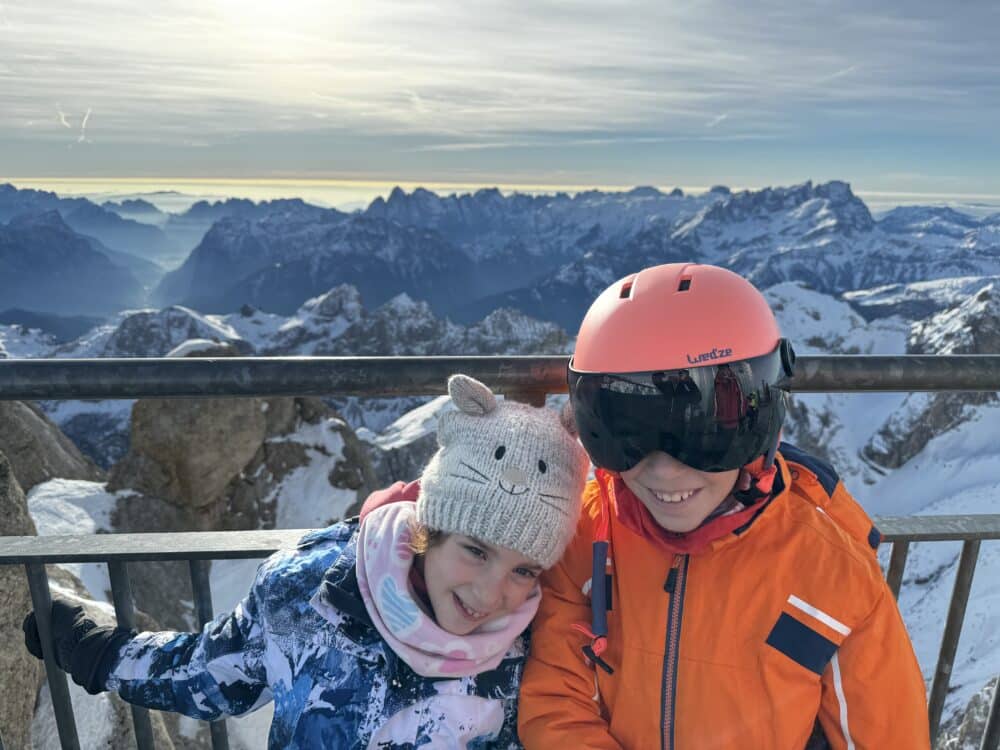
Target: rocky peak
836 198
343 301
972 327
153 333
938 220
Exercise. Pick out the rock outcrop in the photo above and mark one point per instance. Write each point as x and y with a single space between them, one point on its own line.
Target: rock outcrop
231 464
965 730
972 327
20 673
37 449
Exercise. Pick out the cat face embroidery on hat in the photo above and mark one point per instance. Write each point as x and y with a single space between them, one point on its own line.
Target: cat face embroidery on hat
506 473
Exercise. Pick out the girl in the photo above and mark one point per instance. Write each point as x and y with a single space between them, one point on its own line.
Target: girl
400 630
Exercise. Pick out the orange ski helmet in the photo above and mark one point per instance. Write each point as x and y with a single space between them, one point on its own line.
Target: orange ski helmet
683 358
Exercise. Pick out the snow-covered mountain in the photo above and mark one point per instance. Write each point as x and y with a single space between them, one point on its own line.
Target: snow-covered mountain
187 229
335 323
822 235
277 261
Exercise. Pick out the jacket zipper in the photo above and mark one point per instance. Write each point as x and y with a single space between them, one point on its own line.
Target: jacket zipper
674 585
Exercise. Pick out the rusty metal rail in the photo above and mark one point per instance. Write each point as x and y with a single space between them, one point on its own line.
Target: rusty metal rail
406 376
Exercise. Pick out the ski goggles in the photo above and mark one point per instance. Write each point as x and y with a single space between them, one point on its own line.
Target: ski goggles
712 418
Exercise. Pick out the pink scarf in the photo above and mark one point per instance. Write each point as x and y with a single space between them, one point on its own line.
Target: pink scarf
383 565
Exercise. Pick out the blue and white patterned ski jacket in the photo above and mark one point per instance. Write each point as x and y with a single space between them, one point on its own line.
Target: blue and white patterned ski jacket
334 681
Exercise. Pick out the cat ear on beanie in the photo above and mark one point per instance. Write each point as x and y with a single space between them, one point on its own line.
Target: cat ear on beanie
471 396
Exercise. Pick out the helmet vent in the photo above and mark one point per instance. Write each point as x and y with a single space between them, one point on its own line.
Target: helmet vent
684 285
626 292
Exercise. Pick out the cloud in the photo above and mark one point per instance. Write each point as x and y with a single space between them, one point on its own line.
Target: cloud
452 76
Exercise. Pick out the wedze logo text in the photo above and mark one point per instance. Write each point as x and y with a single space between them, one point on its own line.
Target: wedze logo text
705 356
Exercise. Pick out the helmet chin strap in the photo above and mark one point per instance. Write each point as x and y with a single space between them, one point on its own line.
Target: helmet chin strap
756 479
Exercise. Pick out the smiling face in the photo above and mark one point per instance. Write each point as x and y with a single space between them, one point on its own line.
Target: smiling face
678 497
471 583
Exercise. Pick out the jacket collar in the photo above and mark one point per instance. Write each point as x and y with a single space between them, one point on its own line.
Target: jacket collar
338 601
779 492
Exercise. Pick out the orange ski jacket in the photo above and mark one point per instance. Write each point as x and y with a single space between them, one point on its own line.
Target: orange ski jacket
781 626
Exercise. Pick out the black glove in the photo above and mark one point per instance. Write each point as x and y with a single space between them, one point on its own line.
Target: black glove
86 650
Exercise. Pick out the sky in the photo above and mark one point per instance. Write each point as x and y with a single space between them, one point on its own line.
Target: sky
899 98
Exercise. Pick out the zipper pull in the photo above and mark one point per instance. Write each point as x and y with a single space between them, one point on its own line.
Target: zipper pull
671 583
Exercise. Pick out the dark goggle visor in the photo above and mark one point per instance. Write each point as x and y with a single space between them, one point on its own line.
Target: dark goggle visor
712 418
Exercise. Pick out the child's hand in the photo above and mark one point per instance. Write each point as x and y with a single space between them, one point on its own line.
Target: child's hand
84 649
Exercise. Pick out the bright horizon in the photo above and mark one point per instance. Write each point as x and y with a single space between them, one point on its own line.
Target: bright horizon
351 194
901 98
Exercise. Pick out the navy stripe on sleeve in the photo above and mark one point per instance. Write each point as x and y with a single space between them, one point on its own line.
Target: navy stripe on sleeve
801 643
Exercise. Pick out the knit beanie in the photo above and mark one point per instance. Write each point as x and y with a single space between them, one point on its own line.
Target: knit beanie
506 473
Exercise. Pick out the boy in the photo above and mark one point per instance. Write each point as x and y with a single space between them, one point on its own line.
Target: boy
719 593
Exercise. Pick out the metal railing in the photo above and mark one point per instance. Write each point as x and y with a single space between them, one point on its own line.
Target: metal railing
527 379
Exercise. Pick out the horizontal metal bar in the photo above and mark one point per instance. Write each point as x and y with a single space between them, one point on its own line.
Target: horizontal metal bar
223 545
938 528
269 376
194 545
398 376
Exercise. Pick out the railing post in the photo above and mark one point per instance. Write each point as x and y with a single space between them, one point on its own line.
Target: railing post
952 631
121 593
62 704
897 561
202 588
991 734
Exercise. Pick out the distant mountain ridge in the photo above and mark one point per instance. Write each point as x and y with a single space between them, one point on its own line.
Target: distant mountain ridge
47 267
87 218
549 255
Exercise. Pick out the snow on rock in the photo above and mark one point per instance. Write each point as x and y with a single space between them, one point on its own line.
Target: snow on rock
193 348
18 342
836 425
94 714
956 473
973 327
917 300
818 323
61 507
149 333
305 498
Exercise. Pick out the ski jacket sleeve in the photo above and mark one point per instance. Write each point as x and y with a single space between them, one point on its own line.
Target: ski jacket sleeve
560 705
873 692
202 675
